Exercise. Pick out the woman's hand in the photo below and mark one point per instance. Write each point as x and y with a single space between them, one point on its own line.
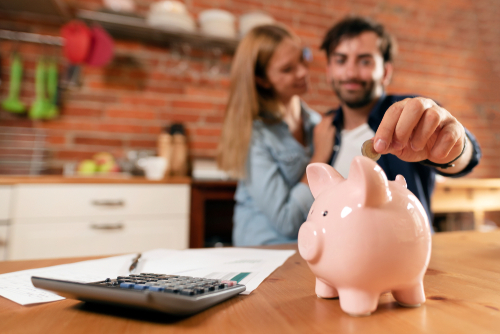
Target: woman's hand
323 141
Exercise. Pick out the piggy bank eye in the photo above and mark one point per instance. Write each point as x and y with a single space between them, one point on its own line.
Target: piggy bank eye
325 213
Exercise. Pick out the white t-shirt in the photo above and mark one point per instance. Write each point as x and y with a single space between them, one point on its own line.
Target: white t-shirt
350 147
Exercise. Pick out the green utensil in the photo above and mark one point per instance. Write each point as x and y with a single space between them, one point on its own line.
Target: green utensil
41 105
52 77
12 103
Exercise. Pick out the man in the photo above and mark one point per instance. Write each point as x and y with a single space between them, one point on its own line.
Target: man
415 136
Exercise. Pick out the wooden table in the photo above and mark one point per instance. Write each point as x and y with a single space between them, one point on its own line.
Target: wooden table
462 286
467 195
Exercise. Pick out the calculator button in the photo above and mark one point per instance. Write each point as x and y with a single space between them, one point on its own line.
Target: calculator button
156 288
152 284
141 287
127 285
188 292
230 283
140 282
173 289
199 290
222 285
211 288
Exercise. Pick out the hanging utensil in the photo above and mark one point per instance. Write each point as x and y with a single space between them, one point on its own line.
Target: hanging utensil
52 80
12 102
101 51
41 105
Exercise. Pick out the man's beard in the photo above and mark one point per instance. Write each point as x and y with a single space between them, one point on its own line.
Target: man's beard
366 97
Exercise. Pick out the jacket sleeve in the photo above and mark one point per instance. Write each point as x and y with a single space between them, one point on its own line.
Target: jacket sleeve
285 206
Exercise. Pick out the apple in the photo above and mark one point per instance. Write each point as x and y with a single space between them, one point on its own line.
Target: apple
87 167
106 163
103 158
108 167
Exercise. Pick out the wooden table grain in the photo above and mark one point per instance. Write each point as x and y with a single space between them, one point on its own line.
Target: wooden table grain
462 286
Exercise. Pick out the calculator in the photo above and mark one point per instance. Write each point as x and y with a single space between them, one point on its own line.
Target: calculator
173 294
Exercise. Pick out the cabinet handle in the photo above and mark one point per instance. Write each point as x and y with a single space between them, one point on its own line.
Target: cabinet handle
108 203
107 226
3 243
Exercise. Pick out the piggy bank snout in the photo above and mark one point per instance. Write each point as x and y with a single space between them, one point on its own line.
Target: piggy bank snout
310 242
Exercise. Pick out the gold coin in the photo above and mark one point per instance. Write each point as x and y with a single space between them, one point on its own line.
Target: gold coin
368 151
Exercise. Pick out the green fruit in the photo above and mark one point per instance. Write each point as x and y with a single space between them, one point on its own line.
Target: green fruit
87 167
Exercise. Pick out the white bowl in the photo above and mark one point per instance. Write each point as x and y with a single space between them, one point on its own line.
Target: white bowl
251 20
168 7
171 21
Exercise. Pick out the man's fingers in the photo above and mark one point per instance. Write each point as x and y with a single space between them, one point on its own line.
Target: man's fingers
448 144
428 124
385 131
408 120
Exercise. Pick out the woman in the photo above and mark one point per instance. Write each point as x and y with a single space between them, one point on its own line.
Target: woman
268 135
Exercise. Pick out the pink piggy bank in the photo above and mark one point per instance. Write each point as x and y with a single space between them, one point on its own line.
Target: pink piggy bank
365 236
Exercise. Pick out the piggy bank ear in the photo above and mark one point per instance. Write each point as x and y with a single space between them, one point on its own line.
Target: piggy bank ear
321 176
369 182
400 179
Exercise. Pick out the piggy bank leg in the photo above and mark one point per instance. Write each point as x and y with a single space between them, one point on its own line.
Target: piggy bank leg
358 303
411 296
325 291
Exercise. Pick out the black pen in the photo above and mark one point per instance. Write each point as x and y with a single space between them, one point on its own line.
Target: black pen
135 261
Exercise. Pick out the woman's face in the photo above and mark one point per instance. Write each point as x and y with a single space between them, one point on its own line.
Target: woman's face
287 71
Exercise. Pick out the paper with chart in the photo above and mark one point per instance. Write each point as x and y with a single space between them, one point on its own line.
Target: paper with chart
247 266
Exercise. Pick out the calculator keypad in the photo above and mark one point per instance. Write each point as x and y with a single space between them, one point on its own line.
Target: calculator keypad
183 285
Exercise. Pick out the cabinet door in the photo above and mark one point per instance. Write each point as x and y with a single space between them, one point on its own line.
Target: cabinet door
3 242
45 239
87 200
5 200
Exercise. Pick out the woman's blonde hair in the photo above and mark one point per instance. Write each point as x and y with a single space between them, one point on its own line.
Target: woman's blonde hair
247 100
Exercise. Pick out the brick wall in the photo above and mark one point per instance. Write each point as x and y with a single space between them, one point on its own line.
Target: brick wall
448 51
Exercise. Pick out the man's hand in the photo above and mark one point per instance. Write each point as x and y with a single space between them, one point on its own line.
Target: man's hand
418 129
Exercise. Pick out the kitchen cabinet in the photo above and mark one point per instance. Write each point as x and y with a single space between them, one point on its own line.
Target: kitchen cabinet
5 202
67 220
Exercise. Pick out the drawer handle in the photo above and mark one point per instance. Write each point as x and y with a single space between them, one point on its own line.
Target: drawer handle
108 203
3 243
107 226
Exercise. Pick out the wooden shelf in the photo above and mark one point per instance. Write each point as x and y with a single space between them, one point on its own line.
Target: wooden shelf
136 28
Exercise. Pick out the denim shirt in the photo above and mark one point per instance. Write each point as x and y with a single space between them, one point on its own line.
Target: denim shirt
271 202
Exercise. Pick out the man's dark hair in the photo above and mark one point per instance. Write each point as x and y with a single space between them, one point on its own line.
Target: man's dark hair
353 26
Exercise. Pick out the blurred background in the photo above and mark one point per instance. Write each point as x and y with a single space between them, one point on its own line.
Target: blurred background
164 63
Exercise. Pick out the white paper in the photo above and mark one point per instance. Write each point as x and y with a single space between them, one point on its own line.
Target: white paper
224 263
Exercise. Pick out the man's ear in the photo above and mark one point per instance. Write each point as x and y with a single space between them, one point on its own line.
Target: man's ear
264 83
388 70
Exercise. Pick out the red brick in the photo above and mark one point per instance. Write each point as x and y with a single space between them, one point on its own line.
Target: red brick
121 128
53 139
173 117
142 143
165 90
140 100
221 94
207 132
70 110
123 113
97 141
192 105
214 119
